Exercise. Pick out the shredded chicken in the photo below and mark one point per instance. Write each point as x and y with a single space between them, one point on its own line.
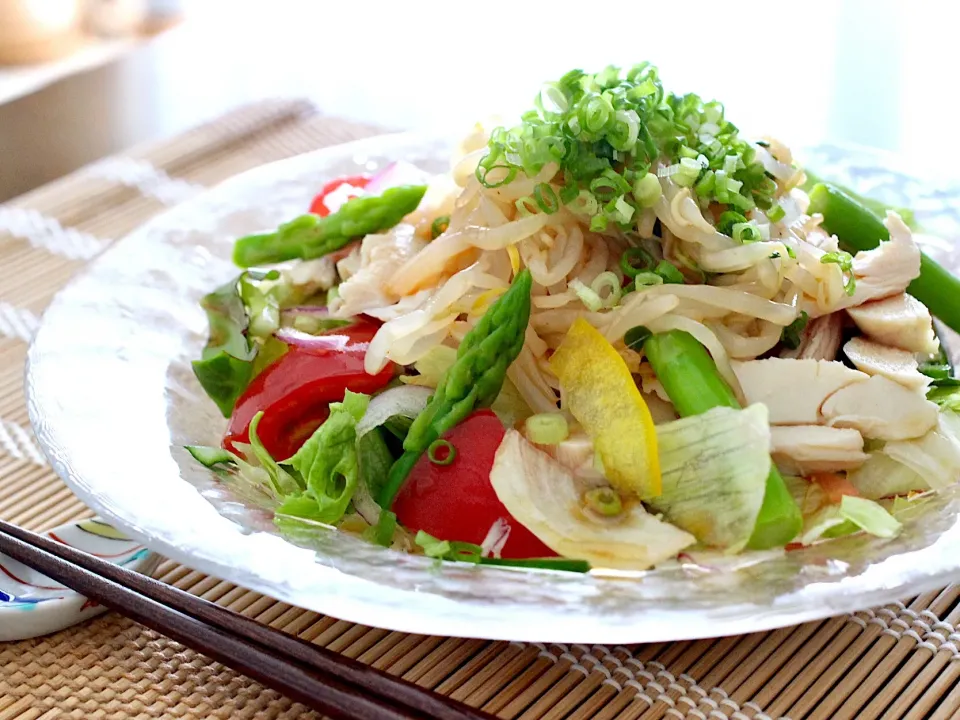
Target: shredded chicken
881 409
821 339
380 255
893 363
793 390
900 321
807 449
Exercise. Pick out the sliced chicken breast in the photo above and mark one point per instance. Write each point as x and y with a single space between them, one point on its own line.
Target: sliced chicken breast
900 321
881 409
794 390
807 449
888 269
893 363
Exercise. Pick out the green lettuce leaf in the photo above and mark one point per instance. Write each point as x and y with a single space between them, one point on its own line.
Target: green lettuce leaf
328 465
851 515
238 313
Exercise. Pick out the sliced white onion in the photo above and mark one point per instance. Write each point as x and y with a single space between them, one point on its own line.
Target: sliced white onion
297 338
396 174
546 497
407 400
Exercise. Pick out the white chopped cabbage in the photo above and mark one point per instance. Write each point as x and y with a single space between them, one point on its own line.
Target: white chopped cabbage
882 476
547 499
936 455
714 468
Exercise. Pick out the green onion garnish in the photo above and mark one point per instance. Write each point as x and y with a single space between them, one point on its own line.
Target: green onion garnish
669 272
845 261
746 233
606 131
470 553
441 452
604 501
728 220
546 428
635 337
776 213
635 260
560 564
546 198
647 190
792 334
439 226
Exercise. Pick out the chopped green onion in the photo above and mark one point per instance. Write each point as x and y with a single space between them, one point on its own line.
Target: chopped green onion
746 233
526 206
706 184
792 334
603 501
776 213
728 219
442 452
439 226
689 171
585 204
669 272
546 428
448 549
624 211
845 262
598 223
382 533
588 296
647 190
606 130
635 260
557 564
607 281
635 337
546 198
647 278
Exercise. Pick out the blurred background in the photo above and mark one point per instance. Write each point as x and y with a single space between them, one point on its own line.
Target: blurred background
81 79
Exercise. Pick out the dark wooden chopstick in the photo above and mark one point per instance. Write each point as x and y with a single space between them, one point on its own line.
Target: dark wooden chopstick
319 678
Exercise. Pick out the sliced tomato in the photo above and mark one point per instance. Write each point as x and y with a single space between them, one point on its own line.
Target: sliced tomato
456 501
834 486
355 182
296 390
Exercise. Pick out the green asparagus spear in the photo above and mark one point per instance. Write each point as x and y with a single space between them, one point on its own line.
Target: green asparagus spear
472 382
859 229
694 385
875 206
311 236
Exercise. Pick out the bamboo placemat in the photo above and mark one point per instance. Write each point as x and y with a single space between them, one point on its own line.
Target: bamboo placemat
899 661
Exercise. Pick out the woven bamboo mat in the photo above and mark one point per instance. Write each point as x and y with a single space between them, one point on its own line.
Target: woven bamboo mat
900 661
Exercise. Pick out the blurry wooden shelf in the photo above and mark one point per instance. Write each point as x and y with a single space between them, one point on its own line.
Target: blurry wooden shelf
19 80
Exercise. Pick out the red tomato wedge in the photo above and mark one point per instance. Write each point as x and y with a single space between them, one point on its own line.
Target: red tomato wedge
834 486
296 390
457 502
356 182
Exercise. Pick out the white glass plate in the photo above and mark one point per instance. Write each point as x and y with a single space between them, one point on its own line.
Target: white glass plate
113 400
